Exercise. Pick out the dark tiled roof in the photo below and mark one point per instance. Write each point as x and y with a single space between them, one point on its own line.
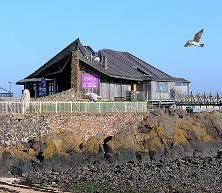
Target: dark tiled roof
98 66
121 65
125 64
23 81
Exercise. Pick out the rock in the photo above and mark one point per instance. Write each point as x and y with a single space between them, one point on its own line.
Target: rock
14 166
219 153
143 157
25 99
180 113
52 142
181 150
216 118
209 149
92 146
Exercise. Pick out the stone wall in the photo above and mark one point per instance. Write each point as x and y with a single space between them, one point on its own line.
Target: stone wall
75 72
57 141
68 95
21 128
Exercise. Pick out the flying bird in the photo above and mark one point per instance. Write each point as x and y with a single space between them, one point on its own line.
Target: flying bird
196 40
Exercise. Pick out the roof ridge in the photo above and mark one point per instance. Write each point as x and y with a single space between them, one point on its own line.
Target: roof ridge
60 55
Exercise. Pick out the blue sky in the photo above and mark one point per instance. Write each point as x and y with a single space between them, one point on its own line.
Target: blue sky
32 32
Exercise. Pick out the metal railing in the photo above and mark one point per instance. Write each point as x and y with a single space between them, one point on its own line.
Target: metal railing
136 95
73 107
6 94
199 98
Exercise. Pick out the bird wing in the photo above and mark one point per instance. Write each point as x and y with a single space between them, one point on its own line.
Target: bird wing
187 44
198 35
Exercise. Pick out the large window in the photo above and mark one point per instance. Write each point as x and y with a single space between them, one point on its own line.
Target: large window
51 88
181 83
162 87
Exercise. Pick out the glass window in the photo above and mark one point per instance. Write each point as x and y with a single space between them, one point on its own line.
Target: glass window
162 86
181 83
50 88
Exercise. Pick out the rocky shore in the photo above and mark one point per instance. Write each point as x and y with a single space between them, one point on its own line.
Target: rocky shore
187 175
162 151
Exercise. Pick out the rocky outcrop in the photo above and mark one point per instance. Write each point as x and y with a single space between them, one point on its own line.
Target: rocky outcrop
164 136
169 137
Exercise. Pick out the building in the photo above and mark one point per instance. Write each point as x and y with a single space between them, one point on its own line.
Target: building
5 93
111 74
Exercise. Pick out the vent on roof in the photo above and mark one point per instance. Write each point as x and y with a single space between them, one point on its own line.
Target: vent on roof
93 55
96 57
104 62
141 71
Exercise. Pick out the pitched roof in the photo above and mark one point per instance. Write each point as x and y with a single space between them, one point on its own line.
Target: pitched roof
124 63
61 55
127 66
119 64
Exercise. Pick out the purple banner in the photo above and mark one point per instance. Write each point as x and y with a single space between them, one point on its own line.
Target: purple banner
89 81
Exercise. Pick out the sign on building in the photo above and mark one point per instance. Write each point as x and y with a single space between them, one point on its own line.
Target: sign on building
89 81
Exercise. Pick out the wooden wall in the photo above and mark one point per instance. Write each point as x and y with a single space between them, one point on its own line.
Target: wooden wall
110 90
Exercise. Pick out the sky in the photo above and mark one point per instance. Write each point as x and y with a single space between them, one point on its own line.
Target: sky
32 32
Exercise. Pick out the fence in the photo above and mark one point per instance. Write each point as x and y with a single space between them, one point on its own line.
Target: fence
6 94
72 107
199 99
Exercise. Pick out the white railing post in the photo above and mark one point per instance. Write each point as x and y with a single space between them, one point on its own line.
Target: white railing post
6 107
71 106
79 107
99 107
23 107
40 106
117 110
56 110
85 107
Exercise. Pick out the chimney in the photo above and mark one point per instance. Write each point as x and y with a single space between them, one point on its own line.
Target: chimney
105 65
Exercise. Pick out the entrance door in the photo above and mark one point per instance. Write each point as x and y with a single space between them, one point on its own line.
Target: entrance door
137 87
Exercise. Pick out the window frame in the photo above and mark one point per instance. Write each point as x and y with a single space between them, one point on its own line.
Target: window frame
162 86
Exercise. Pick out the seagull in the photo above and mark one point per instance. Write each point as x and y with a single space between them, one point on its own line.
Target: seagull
196 40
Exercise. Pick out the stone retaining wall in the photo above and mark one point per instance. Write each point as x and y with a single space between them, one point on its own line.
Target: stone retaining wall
21 128
57 141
